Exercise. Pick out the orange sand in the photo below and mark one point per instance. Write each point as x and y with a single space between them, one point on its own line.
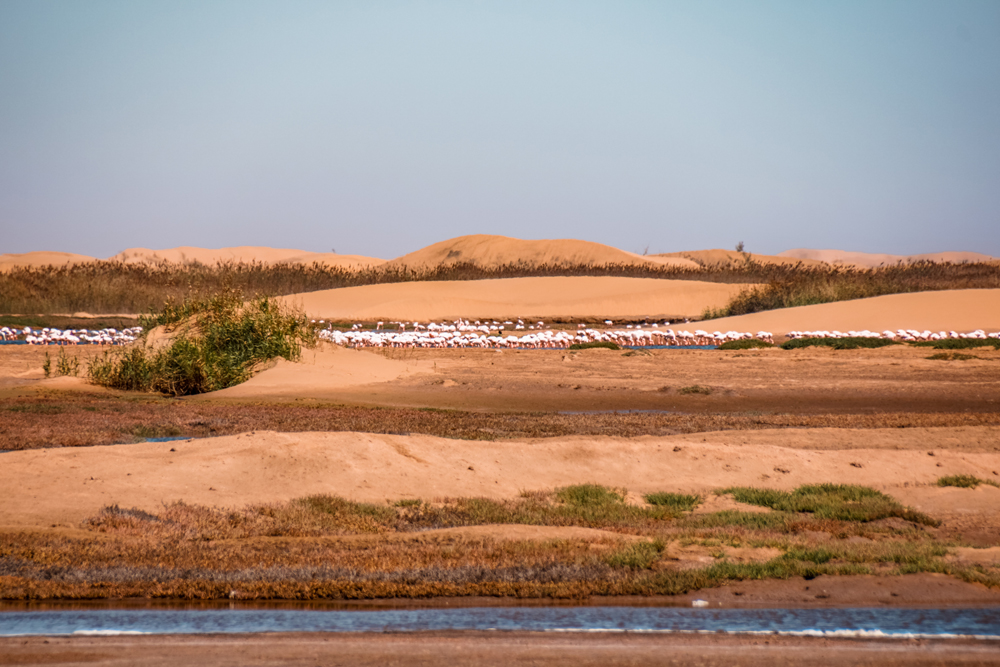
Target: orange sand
532 298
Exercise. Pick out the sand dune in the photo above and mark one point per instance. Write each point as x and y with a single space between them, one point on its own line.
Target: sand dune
538 298
321 369
946 310
41 258
491 251
868 259
718 256
243 254
67 485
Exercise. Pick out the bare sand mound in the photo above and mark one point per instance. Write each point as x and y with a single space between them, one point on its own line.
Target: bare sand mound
946 310
66 485
868 259
537 298
41 258
491 251
723 257
245 254
327 367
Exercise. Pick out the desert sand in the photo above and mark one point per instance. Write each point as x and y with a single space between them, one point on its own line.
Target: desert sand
41 258
491 251
578 297
64 486
869 259
244 254
946 310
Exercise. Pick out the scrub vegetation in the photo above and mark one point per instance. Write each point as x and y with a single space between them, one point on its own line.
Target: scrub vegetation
329 547
118 287
208 344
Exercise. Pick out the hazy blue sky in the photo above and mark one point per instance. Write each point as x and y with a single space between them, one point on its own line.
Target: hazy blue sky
380 127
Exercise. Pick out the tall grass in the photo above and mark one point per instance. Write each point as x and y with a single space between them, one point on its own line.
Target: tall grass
118 287
805 286
216 343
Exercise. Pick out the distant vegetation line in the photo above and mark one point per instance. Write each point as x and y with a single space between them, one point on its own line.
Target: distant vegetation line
116 287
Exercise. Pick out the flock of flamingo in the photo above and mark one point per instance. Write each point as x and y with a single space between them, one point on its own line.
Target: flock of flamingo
493 334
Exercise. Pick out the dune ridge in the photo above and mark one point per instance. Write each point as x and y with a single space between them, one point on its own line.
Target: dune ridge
67 485
944 310
871 260
538 298
491 251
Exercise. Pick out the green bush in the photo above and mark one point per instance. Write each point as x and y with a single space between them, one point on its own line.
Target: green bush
695 389
842 502
964 481
606 344
217 344
951 356
958 343
745 344
681 502
850 343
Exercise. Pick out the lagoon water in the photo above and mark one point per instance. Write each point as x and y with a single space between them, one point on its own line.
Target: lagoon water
981 623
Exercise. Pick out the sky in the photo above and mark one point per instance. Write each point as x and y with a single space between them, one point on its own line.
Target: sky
377 128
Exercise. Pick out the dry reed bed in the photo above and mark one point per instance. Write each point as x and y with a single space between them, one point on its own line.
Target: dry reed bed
210 553
78 420
117 287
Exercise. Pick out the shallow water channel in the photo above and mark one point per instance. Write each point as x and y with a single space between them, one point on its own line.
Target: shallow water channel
982 623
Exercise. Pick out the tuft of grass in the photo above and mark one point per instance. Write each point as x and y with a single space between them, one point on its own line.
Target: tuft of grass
843 502
680 502
745 344
636 556
217 344
598 344
65 364
590 495
695 389
47 365
964 481
958 343
849 343
951 356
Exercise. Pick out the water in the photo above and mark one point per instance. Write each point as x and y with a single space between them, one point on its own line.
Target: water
980 623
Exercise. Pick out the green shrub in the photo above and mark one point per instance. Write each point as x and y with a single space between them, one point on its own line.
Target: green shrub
590 495
958 343
695 389
681 502
605 344
951 356
65 364
964 481
745 344
842 502
849 343
217 344
636 556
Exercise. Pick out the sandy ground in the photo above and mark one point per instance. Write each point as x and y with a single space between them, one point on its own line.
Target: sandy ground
577 297
946 310
488 648
491 251
244 254
64 486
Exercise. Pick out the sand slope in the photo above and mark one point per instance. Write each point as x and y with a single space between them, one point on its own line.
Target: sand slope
321 369
868 259
491 251
718 256
946 310
66 485
537 298
41 258
243 254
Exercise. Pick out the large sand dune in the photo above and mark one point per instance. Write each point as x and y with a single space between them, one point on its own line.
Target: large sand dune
66 485
41 258
945 310
869 259
537 298
491 251
245 254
